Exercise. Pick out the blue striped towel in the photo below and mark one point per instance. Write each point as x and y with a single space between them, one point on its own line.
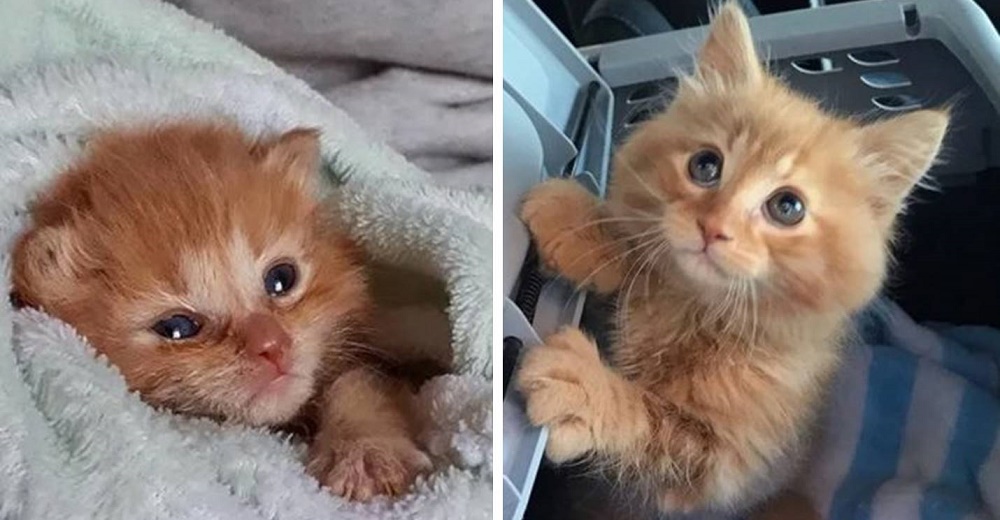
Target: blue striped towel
913 426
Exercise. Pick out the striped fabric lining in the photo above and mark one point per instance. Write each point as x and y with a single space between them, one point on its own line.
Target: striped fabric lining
920 439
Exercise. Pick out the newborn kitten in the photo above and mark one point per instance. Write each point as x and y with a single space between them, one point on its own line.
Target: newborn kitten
742 229
200 263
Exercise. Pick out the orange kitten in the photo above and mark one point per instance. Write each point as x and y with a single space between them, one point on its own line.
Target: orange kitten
200 264
743 227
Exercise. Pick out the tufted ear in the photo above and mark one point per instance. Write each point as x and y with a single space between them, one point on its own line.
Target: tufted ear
898 152
294 153
729 52
48 264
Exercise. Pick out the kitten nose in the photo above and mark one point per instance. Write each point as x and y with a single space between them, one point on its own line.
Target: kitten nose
713 231
263 336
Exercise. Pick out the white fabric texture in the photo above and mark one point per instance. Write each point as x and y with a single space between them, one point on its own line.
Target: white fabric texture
446 232
73 442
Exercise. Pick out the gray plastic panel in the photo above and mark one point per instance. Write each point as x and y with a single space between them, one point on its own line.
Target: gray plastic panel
866 82
522 158
541 65
559 304
557 89
557 122
553 100
860 58
523 444
960 25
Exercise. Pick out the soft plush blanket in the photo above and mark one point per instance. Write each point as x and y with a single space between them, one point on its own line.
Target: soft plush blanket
73 442
394 208
913 429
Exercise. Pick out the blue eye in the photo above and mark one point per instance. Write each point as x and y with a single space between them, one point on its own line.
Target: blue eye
784 208
280 279
177 327
705 168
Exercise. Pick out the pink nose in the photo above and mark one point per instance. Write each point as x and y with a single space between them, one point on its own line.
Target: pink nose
713 231
263 337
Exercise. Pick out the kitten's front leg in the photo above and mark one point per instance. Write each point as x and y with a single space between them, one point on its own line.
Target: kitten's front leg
584 403
566 223
686 459
365 445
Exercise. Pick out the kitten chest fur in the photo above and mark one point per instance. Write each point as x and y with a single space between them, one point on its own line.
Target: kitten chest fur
760 383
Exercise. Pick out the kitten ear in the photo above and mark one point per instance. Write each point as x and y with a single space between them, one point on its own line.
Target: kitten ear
899 151
295 152
729 50
47 264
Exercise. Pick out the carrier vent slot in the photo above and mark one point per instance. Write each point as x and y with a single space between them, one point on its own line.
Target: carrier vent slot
896 102
873 58
645 93
886 80
818 65
911 18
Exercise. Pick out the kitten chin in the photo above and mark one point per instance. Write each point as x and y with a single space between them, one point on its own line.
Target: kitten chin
705 270
277 401
199 262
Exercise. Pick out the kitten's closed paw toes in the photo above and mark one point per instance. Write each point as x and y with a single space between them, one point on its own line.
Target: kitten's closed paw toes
568 440
560 405
561 381
363 470
553 205
559 213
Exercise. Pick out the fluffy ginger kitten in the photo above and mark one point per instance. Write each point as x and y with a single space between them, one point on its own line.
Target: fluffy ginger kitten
200 264
742 228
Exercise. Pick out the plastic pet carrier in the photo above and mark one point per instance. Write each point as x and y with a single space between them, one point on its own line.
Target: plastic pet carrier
566 108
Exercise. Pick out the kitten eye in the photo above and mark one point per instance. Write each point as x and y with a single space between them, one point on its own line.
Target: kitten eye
705 168
785 208
280 279
177 327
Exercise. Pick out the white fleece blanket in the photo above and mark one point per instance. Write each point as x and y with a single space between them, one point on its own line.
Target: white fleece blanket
73 442
181 65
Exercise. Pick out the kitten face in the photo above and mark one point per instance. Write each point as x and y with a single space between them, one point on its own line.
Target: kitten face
743 181
199 264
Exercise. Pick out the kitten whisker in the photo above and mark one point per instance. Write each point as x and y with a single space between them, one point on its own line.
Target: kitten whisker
663 248
605 220
611 244
624 305
648 265
624 254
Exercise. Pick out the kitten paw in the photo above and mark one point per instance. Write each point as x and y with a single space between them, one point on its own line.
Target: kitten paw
365 469
562 381
559 214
